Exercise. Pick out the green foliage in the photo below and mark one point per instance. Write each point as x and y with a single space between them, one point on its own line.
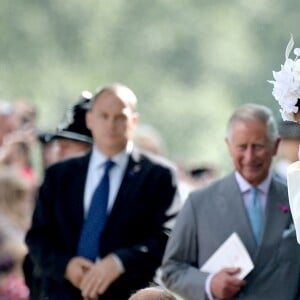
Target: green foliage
189 62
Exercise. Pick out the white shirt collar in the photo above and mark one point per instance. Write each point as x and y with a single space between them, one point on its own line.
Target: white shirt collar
245 186
98 158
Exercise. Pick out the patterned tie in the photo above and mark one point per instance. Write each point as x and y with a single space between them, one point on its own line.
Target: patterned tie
255 214
89 242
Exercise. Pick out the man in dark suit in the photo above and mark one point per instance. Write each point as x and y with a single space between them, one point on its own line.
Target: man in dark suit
249 201
142 204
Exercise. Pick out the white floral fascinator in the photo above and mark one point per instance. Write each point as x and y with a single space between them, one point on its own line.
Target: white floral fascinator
286 88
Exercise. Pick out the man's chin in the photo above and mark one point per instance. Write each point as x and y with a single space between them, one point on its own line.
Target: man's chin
252 177
113 146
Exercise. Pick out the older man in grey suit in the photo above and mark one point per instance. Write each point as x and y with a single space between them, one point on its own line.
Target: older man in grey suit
262 221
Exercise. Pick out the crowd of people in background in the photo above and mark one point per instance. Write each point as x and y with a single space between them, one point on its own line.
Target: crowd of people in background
18 185
161 193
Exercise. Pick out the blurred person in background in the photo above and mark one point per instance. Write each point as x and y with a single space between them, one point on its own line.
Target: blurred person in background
16 153
15 216
193 177
201 175
26 117
16 145
26 114
48 148
8 121
146 137
18 184
72 136
149 139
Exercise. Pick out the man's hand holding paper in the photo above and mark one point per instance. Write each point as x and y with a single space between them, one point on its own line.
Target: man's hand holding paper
225 284
230 264
231 254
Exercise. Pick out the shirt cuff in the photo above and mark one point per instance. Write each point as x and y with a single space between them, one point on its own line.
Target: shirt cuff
118 262
207 287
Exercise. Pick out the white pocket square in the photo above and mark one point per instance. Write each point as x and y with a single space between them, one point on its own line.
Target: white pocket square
289 231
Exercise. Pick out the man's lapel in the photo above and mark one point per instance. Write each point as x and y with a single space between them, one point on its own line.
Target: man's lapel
130 182
234 212
76 207
277 217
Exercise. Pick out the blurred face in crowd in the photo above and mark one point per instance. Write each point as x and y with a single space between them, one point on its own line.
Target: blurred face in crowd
111 121
25 114
69 148
251 150
7 125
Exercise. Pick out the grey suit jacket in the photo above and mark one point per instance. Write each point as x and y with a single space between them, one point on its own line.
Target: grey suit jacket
209 216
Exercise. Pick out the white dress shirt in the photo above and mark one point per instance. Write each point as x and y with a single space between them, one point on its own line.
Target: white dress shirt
245 188
95 174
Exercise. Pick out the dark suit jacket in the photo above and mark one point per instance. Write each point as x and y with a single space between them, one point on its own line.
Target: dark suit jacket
209 217
135 230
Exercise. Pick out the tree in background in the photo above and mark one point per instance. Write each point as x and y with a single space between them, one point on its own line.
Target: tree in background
191 62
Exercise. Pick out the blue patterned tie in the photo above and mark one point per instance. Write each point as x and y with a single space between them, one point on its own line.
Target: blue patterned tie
89 242
255 214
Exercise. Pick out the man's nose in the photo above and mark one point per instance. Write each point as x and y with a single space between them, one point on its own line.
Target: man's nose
249 154
111 122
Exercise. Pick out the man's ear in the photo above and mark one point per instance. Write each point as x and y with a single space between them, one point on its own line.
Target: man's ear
227 142
88 120
136 119
276 146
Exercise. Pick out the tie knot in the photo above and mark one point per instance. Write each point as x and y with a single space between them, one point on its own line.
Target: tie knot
108 165
255 194
254 190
